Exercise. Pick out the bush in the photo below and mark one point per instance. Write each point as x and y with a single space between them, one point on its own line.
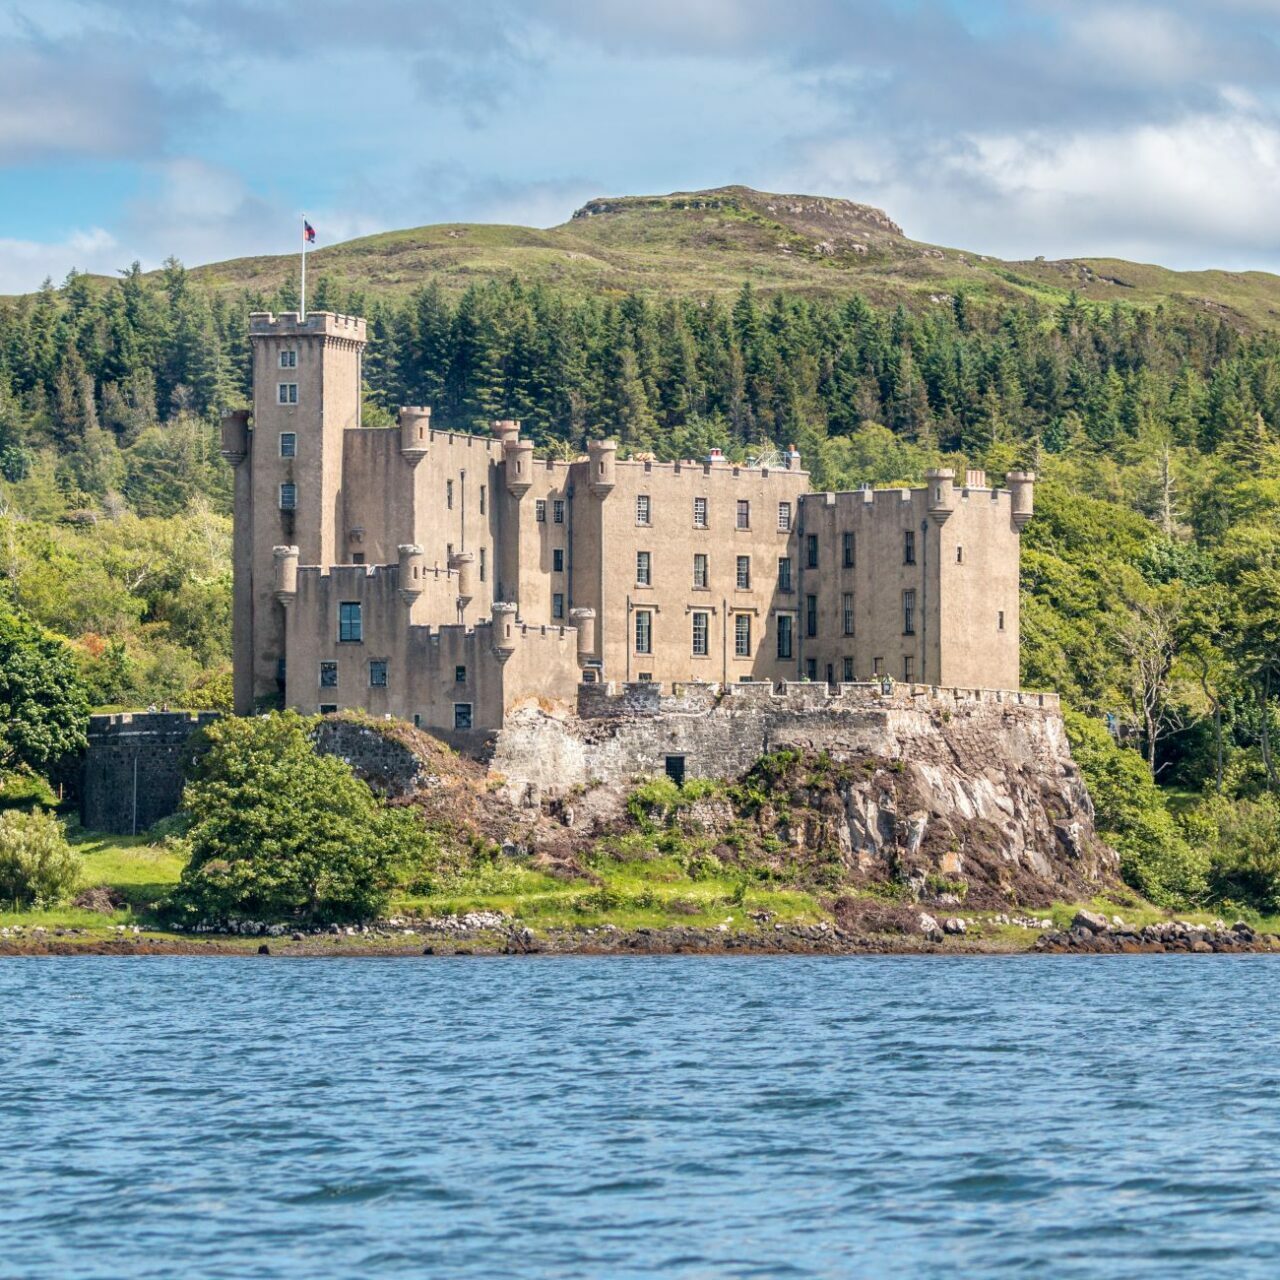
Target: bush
38 868
280 832
1243 838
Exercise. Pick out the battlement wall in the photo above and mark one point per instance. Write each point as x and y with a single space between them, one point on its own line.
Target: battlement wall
289 324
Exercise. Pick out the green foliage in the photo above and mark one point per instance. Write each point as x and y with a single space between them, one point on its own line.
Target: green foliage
280 832
1243 840
38 868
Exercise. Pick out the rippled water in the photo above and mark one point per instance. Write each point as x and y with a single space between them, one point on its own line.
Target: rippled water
677 1116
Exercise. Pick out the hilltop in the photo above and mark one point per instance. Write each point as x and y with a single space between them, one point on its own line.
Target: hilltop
711 241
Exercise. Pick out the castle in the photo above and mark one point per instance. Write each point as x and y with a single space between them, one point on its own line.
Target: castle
449 579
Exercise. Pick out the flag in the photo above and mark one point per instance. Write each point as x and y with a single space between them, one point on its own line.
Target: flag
308 232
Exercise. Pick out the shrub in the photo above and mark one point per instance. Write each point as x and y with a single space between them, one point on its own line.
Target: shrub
281 832
38 868
1243 838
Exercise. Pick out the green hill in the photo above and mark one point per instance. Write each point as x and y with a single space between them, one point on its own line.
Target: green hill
711 241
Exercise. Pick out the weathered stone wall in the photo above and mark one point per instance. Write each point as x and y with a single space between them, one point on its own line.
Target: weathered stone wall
385 757
133 768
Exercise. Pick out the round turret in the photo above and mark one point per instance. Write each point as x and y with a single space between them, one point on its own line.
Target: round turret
504 629
603 460
942 493
585 621
411 566
235 436
518 456
462 563
506 429
1022 488
286 565
415 431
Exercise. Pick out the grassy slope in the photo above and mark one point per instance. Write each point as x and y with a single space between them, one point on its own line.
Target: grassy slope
668 245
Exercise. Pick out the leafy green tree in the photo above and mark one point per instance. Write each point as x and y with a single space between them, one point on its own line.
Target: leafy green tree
281 832
38 868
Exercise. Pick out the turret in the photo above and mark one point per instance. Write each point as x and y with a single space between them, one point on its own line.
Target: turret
235 436
415 431
1022 486
942 493
506 429
461 563
411 565
585 621
504 630
518 455
603 456
286 562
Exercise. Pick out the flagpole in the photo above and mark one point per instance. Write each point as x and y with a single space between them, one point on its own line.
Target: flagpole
302 305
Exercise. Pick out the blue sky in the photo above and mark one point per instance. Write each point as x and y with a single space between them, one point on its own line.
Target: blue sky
204 128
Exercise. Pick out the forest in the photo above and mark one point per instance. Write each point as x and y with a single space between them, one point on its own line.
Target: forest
1151 573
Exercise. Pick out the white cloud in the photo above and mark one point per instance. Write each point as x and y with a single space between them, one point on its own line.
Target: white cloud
24 263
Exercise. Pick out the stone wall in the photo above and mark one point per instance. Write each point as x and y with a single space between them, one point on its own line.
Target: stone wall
133 768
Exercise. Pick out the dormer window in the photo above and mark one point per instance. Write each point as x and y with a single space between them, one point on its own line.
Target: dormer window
287 393
289 358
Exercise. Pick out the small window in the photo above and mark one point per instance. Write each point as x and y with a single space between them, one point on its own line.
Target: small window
288 444
699 513
742 635
877 666
811 615
1000 620
643 510
846 548
811 668
462 715
459 675
959 555
448 494
289 358
328 675
288 496
699 571
378 675
908 613
540 510
784 635
645 677
328 708
350 624
484 563
557 605
557 511
482 489
287 393
700 629
357 557
908 668
784 517
811 551
744 573
846 613
557 560
643 569
744 514
908 547
847 674
644 631
784 573
417 720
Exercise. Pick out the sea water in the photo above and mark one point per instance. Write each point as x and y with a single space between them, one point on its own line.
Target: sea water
668 1116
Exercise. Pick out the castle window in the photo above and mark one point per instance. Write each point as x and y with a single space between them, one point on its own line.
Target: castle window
1000 620
784 573
289 358
459 675
378 674
699 513
644 631
288 496
557 511
448 494
811 551
288 444
287 393
328 675
350 624
540 510
846 612
462 715
877 666
484 563
959 555
482 489
744 573
908 613
811 668
908 547
811 615
908 668
847 546
557 605
643 509
700 630
557 560
699 571
328 708
742 636
784 635
744 514
644 569
847 675
784 517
